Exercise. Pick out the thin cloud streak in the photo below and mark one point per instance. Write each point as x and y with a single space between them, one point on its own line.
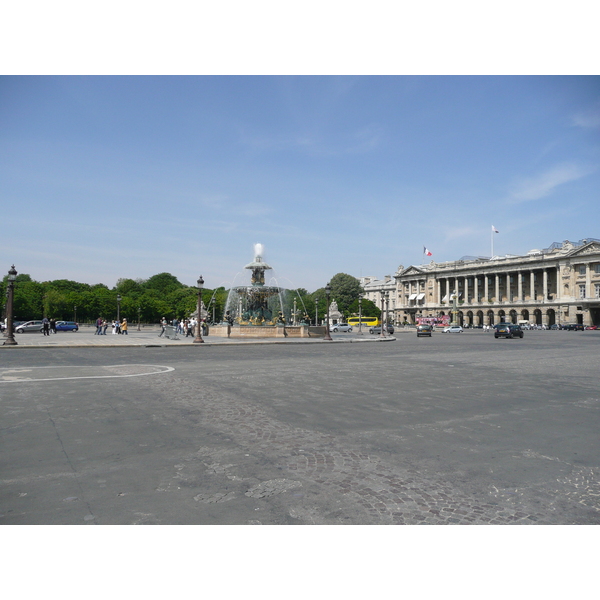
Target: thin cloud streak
540 186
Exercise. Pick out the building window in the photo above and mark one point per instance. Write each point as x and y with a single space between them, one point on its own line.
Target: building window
597 290
582 269
597 268
582 291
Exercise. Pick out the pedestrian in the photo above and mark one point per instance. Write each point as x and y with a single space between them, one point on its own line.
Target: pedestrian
189 332
104 326
114 327
124 327
45 326
163 325
98 326
53 325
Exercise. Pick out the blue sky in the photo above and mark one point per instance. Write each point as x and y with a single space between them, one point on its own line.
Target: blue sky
106 177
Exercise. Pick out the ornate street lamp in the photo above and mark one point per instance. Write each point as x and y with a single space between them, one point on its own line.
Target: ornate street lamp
75 314
199 339
387 308
119 308
212 301
327 294
10 338
316 311
360 314
382 334
139 316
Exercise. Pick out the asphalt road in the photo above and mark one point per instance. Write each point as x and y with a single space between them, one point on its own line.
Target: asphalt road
453 429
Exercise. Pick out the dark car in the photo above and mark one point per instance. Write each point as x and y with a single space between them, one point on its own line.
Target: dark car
67 326
424 330
377 329
507 330
573 327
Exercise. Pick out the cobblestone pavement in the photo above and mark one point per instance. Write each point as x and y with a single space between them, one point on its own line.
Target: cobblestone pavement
402 433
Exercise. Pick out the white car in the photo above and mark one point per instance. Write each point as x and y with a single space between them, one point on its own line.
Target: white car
453 329
341 327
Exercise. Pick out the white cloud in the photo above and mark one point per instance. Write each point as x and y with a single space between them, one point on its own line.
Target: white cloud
589 119
540 186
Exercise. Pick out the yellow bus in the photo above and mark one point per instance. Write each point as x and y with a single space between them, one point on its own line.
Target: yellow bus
366 321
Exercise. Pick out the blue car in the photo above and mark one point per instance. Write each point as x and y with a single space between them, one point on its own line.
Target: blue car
66 326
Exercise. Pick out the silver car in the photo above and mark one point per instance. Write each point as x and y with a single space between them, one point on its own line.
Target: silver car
29 326
341 327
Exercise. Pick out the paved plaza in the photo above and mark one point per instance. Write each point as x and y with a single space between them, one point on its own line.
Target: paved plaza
454 429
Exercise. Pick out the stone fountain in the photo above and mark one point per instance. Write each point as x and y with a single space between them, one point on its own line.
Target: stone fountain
256 310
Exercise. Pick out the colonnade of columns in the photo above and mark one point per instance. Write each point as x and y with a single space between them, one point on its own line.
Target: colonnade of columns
507 287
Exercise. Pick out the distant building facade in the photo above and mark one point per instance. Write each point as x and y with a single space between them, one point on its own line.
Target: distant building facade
560 284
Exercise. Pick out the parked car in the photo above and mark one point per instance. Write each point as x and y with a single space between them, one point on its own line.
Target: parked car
424 330
453 329
29 327
67 326
591 328
341 327
554 327
573 327
507 330
377 329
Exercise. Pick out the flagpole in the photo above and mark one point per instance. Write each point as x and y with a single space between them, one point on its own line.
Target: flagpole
492 239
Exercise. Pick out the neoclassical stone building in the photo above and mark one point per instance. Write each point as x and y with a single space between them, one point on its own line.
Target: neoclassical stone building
560 284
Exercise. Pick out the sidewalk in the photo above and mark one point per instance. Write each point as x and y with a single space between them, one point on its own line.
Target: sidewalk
149 337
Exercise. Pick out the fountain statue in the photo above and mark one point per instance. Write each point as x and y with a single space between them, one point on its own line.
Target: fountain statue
259 309
256 304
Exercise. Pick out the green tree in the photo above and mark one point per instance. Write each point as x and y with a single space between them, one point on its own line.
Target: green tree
344 290
163 283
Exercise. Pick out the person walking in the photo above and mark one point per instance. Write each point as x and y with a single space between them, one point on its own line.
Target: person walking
124 327
104 327
114 328
98 326
46 326
163 325
53 325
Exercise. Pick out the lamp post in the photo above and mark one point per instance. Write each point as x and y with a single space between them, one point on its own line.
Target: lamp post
10 338
327 294
316 311
387 307
382 333
360 314
119 308
139 317
75 314
294 321
199 339
212 301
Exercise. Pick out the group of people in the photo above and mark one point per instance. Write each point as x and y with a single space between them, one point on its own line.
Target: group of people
48 325
185 327
117 327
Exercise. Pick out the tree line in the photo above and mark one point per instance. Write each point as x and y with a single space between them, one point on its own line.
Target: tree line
162 295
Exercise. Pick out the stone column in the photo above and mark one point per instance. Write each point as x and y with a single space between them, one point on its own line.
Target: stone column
588 281
557 297
519 287
486 285
439 290
497 288
467 290
545 283
531 286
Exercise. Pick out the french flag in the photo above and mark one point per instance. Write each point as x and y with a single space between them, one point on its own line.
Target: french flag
494 229
426 252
